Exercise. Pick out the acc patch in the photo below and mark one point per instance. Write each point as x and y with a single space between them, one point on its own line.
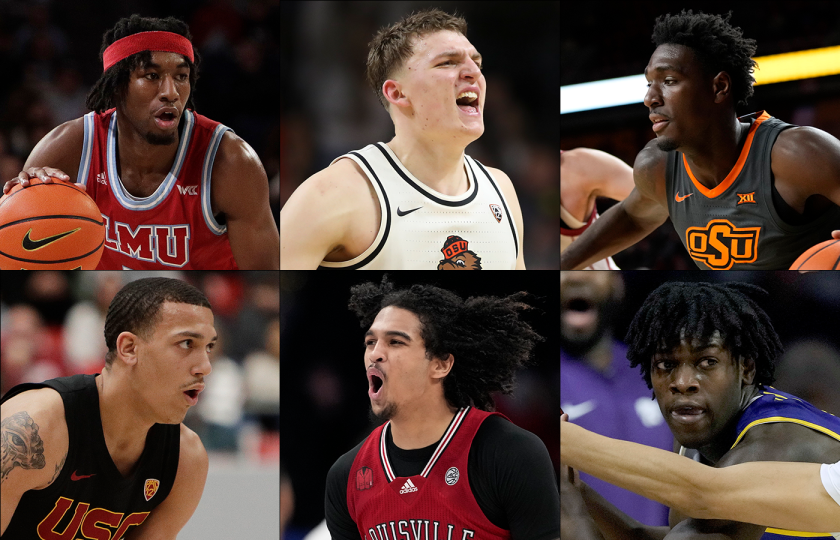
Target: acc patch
150 488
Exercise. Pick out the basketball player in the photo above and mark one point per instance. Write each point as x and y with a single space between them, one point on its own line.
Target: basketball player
176 189
585 174
443 465
743 193
416 202
106 455
799 496
708 353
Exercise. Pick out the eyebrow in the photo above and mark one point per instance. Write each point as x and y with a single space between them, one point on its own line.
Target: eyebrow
195 335
390 333
666 67
152 65
453 52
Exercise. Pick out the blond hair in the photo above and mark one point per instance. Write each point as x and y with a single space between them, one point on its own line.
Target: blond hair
392 46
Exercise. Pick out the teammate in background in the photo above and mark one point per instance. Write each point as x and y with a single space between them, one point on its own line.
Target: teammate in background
708 352
109 449
585 174
176 189
443 461
418 201
598 389
796 496
743 193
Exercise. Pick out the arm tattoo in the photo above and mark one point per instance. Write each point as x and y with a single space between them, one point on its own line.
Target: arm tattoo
20 443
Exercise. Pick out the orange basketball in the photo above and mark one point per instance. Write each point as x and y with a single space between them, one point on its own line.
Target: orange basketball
50 226
824 256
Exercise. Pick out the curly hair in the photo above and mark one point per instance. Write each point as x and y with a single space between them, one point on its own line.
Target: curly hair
717 45
393 45
136 308
484 333
678 309
110 88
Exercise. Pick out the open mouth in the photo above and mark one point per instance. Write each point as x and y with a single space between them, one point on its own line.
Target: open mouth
468 102
376 384
687 415
192 393
166 120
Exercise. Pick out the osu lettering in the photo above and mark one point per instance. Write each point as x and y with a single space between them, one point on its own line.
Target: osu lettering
720 244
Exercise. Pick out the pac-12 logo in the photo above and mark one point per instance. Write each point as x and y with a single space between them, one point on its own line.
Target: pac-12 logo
720 244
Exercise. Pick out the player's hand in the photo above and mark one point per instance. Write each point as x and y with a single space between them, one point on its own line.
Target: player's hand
835 235
44 173
568 473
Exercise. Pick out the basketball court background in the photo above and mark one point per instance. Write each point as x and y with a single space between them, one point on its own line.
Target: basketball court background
52 323
327 108
603 40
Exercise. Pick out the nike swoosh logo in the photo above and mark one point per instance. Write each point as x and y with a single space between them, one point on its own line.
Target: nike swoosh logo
681 199
32 245
581 409
401 213
75 476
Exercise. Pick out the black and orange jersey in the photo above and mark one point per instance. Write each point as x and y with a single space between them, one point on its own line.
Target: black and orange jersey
735 225
90 498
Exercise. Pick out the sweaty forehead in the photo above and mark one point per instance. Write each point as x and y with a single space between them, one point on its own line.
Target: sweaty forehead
671 55
430 45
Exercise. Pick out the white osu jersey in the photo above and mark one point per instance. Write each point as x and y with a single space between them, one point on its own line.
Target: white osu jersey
422 229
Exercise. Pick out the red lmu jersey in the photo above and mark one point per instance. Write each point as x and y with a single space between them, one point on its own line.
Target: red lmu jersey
174 227
437 504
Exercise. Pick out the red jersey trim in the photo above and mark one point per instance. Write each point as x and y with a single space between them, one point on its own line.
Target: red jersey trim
577 232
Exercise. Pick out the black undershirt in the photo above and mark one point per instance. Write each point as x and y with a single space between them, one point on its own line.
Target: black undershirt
510 474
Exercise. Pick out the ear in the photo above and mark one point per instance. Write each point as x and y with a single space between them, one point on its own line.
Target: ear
127 347
747 370
392 90
441 368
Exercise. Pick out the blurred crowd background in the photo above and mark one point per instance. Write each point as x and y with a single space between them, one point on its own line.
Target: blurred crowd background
804 310
328 109
52 324
324 387
595 47
49 51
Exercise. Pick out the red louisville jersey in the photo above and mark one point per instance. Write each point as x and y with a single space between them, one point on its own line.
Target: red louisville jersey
174 227
437 504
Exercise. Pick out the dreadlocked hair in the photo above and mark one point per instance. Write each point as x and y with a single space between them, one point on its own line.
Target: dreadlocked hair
485 335
136 308
718 46
109 89
678 310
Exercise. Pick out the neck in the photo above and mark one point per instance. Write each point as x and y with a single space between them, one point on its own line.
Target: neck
421 425
714 157
124 425
439 167
137 157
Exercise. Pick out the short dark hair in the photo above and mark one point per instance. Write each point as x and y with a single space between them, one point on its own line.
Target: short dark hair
698 309
718 46
484 333
111 85
136 308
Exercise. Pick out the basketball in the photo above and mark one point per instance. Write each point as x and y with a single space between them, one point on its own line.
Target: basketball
823 256
50 226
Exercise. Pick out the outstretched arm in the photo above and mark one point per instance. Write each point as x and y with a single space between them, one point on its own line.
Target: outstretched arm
775 494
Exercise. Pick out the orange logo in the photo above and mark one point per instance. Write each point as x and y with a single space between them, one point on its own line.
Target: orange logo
720 244
681 199
150 488
458 255
746 197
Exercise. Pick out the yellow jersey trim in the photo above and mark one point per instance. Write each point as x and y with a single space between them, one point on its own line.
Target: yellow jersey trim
775 419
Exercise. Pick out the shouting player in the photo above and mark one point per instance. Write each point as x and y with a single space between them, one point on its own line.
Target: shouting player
743 193
443 465
91 455
418 201
176 189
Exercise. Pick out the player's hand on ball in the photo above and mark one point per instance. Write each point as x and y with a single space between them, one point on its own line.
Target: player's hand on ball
835 235
44 173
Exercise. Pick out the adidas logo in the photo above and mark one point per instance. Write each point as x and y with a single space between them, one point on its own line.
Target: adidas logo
408 487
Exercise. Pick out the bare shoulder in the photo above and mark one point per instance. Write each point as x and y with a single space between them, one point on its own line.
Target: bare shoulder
191 445
35 439
649 172
802 150
60 148
236 155
783 441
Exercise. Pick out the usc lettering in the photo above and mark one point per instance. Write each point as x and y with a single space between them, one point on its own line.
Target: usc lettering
87 521
720 244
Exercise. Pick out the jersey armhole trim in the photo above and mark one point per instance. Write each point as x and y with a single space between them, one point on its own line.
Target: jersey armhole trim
206 180
87 148
504 203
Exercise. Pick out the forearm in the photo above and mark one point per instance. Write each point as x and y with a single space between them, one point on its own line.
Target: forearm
615 524
651 472
609 234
